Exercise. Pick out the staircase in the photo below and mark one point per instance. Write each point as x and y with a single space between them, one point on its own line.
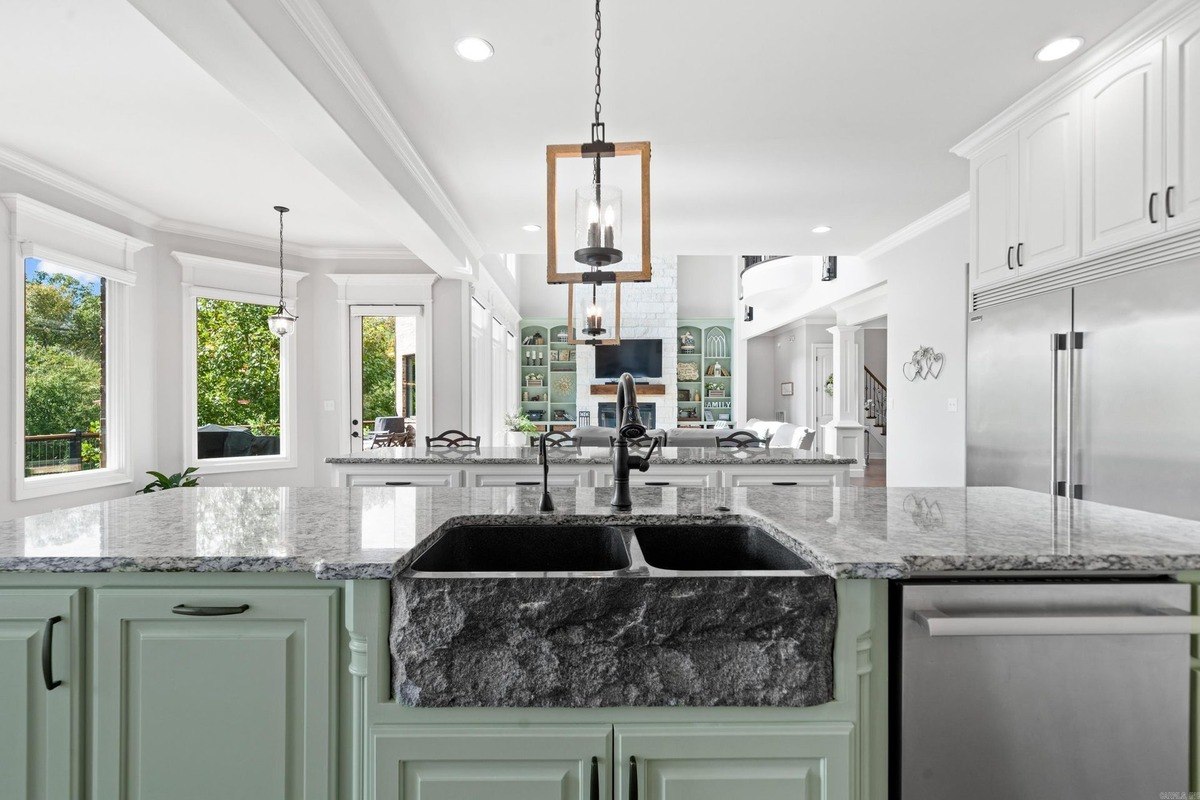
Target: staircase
874 410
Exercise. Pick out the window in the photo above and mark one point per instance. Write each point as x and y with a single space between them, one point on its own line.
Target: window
239 413
66 363
389 373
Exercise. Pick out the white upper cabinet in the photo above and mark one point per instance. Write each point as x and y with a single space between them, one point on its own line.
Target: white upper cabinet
1123 152
1049 187
994 212
1181 203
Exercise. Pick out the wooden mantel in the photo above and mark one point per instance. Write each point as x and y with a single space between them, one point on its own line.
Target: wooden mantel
647 389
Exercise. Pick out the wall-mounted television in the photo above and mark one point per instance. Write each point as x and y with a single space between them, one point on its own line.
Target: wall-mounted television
641 358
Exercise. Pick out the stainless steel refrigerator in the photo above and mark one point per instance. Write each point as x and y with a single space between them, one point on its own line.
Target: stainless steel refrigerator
1091 391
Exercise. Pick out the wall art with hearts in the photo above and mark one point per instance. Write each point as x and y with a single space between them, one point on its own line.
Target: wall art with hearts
924 364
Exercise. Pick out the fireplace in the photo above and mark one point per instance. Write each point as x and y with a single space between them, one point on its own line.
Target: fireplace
608 414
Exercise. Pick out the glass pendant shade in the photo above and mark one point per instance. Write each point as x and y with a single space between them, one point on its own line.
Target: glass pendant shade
598 226
282 322
594 313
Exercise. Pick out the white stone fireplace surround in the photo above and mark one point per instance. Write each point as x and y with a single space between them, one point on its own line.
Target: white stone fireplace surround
648 311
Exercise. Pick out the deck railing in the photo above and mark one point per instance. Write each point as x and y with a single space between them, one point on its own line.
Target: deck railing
48 453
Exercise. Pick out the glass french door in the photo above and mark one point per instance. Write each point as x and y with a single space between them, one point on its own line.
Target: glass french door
388 352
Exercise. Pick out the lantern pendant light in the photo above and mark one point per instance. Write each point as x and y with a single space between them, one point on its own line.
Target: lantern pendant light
598 230
282 322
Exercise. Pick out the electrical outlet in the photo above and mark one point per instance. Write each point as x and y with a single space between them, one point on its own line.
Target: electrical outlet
952 404
328 405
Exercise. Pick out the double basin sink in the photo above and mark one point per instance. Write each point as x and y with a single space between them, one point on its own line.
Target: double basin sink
607 551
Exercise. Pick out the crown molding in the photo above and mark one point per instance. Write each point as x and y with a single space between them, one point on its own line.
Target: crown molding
23 206
316 26
209 233
958 205
194 262
378 287
1143 29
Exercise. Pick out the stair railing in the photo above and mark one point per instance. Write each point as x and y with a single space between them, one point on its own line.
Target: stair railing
874 400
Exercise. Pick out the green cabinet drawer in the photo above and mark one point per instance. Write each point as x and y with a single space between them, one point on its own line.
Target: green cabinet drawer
236 701
40 727
716 762
492 762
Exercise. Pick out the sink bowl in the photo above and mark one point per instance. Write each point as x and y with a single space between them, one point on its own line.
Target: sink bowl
484 549
715 548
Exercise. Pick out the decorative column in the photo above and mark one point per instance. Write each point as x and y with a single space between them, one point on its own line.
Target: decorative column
843 435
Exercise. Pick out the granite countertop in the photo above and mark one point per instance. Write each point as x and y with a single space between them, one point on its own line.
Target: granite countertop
375 532
585 455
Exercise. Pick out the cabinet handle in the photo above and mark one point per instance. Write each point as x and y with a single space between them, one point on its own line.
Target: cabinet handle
48 654
783 483
1020 254
1153 202
633 781
527 483
658 483
397 483
209 611
1008 259
594 794
1170 205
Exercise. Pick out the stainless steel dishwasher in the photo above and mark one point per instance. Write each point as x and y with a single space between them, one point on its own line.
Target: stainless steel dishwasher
1040 689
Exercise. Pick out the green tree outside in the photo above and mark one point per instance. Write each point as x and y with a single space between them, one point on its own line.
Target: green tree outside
237 366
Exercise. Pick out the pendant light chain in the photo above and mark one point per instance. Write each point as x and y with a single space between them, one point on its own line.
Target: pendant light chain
596 164
281 258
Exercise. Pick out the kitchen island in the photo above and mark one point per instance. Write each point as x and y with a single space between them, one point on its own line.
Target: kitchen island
250 627
581 467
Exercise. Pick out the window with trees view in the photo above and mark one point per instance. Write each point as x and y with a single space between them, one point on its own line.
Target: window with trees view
389 371
65 369
238 394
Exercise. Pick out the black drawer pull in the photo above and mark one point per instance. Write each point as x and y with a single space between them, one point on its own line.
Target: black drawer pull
594 794
1170 205
209 611
527 483
48 654
633 781
1153 203
783 483
1009 259
658 483
397 483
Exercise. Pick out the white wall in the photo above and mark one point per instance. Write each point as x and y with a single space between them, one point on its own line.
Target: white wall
707 286
760 376
875 351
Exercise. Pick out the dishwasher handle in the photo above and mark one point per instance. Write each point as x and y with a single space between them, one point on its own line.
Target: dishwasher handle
1134 621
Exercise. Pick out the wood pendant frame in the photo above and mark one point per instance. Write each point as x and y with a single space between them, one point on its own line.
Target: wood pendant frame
573 332
557 151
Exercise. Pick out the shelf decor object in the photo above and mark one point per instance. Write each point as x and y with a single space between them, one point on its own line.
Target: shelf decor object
599 224
687 371
282 322
925 364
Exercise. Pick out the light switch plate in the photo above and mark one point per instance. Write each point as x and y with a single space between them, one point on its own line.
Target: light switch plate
952 404
328 405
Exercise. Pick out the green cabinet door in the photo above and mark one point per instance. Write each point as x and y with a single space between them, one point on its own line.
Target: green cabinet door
197 697
721 761
492 762
40 729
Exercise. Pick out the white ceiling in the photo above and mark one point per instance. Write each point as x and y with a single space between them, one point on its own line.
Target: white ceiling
93 89
766 118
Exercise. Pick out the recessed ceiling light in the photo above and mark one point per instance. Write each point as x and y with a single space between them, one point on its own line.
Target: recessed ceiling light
822 229
1059 48
472 48
531 228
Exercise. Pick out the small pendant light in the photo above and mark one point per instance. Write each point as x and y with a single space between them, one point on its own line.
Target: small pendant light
282 322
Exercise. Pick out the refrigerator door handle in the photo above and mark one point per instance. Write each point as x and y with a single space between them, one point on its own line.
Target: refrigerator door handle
1074 344
1058 343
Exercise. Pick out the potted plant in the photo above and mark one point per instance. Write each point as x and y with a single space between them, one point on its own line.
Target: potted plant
518 426
163 482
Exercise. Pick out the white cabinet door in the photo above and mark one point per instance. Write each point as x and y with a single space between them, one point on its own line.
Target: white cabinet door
415 477
760 477
994 213
1123 152
529 476
1049 187
661 477
1183 126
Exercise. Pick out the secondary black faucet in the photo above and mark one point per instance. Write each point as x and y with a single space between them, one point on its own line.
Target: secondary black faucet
629 426
547 501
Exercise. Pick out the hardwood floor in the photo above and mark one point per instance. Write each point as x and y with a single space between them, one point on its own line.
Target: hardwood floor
876 474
